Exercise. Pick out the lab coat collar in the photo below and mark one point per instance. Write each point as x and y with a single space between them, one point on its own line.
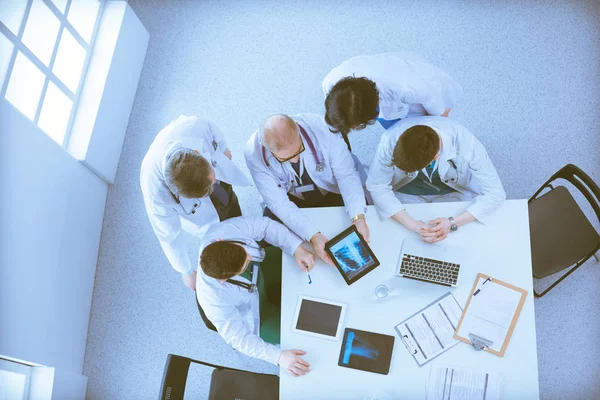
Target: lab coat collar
447 153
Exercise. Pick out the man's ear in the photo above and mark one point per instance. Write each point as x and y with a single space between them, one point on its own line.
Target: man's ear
196 151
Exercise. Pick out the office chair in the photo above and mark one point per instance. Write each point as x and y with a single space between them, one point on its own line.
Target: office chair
225 383
206 321
561 234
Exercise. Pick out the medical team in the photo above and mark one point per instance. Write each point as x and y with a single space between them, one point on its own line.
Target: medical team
301 161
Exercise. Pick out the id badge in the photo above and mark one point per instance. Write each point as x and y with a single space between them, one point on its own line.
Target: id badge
305 188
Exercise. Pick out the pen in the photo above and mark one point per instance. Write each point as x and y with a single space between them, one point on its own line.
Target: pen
306 266
479 290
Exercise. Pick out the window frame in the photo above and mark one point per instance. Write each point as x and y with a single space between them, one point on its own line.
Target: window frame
18 45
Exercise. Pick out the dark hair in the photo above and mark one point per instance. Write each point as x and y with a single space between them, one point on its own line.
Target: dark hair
351 104
187 174
416 148
222 259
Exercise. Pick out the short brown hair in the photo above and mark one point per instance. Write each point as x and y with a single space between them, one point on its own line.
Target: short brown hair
222 259
352 103
416 148
187 174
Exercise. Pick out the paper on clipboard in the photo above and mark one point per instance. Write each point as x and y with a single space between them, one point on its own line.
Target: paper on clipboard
429 332
491 313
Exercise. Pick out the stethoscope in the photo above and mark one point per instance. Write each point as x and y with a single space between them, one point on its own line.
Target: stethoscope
250 287
320 166
455 170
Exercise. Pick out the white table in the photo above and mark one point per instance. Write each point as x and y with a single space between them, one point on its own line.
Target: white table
500 248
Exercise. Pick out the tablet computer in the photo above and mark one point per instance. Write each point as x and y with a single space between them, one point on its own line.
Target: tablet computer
318 317
367 351
351 255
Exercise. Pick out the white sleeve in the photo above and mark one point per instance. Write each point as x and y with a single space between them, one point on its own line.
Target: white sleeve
379 181
347 177
231 327
428 95
278 202
263 228
483 170
167 227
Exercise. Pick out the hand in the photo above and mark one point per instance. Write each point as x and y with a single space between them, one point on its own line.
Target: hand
190 280
304 258
318 242
227 153
426 232
363 228
292 363
440 226
446 112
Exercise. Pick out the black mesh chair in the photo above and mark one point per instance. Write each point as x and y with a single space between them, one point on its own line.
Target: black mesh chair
206 321
561 234
225 383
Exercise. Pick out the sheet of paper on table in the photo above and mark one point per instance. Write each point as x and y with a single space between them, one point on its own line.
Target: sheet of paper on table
447 383
490 313
429 332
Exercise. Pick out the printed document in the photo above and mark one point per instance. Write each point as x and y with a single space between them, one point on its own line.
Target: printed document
447 383
490 313
430 331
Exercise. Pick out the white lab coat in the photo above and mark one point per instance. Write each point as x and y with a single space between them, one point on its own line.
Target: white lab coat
232 309
474 176
166 215
339 175
408 85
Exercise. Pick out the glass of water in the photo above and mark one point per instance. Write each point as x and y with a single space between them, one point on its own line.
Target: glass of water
382 292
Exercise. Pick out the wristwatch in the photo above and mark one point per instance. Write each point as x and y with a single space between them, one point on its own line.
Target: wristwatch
356 218
453 226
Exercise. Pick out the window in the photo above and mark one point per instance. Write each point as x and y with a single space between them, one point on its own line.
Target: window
15 380
45 47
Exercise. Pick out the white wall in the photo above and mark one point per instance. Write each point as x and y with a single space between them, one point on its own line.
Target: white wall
51 215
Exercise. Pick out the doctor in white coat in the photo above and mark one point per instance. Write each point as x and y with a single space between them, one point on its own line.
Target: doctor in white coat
296 162
388 87
227 285
186 179
433 159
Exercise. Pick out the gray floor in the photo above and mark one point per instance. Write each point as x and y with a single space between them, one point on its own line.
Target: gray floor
530 72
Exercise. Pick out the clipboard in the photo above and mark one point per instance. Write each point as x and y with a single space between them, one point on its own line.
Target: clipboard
510 303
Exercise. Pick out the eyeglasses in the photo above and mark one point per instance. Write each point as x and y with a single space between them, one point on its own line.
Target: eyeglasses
282 160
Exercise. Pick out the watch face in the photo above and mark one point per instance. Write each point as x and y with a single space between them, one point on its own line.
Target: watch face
453 227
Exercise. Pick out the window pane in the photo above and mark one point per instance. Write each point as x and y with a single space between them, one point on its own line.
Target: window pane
69 61
11 14
41 31
61 5
25 86
6 49
12 385
55 114
82 15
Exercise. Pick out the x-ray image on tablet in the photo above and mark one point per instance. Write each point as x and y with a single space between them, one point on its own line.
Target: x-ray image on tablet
351 255
366 351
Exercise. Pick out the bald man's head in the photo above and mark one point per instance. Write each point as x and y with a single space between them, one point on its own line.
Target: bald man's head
280 135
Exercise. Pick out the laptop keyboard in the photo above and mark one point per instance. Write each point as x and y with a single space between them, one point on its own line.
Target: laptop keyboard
427 269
